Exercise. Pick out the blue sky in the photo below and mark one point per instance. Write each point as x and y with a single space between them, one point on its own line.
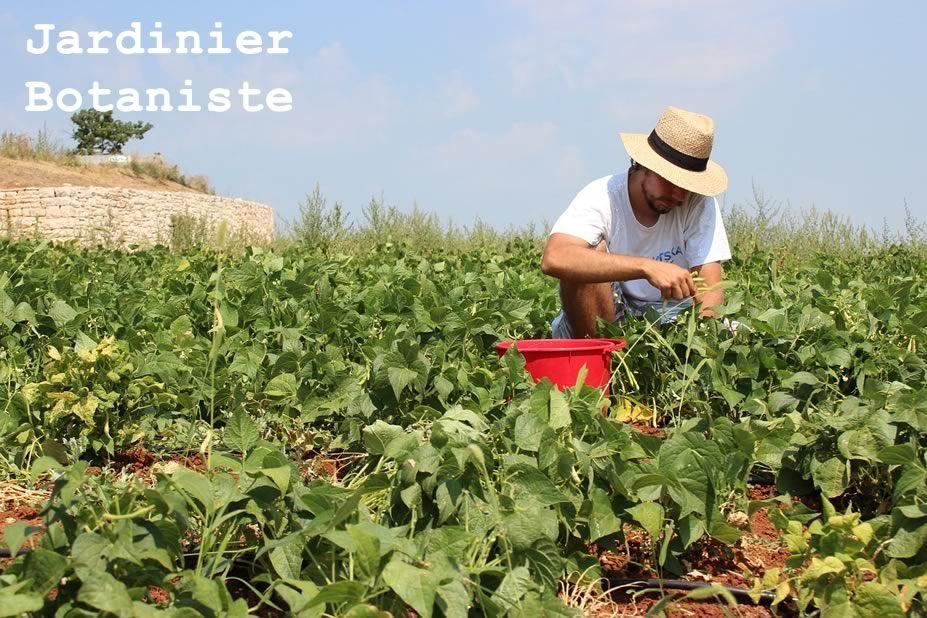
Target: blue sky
503 110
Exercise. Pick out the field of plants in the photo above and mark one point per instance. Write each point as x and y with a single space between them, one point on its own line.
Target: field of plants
293 431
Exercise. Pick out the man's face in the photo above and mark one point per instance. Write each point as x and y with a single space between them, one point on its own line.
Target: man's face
661 195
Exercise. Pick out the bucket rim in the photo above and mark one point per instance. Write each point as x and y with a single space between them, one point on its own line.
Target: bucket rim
574 345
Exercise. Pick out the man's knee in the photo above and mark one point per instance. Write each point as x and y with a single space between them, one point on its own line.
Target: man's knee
583 303
594 298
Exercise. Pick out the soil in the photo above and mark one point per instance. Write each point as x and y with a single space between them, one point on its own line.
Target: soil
142 463
320 467
28 514
330 467
136 460
16 174
239 590
762 549
813 502
25 513
640 604
158 596
635 561
647 429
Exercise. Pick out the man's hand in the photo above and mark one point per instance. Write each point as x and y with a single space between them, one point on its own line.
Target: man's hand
713 295
673 281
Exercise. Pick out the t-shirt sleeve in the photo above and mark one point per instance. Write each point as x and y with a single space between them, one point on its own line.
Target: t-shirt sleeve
706 238
589 215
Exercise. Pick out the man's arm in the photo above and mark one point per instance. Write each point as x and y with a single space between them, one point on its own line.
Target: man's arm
712 273
573 259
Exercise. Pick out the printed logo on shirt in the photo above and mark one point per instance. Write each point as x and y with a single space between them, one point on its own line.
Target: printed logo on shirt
667 256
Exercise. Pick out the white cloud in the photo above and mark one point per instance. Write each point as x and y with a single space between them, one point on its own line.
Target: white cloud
590 45
455 98
514 144
526 171
335 104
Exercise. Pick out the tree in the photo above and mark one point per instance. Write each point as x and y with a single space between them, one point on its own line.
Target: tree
98 132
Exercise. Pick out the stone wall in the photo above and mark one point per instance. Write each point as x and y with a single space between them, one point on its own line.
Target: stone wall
120 159
122 217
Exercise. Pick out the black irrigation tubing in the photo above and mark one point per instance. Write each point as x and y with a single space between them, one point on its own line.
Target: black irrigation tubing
757 479
740 594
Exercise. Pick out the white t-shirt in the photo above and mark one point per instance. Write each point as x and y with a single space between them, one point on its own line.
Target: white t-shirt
688 236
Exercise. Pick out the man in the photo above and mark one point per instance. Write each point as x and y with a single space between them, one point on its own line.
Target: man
632 241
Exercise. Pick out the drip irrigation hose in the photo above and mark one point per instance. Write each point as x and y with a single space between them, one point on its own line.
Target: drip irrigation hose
756 479
742 595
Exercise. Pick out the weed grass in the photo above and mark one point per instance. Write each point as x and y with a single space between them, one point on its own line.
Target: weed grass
40 147
162 170
760 225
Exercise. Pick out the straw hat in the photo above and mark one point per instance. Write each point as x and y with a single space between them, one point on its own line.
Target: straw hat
678 150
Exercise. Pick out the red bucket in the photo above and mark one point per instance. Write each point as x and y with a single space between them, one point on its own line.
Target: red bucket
560 360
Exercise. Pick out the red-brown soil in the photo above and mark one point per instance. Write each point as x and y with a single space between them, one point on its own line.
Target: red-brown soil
330 467
639 606
647 429
135 460
158 596
143 464
28 514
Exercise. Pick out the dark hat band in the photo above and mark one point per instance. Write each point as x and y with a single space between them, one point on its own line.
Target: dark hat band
679 159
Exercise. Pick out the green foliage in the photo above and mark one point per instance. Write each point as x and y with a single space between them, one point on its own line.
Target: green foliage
832 568
337 431
319 226
330 228
825 373
793 237
82 388
98 132
190 233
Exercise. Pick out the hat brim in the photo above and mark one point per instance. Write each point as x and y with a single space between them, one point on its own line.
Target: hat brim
712 181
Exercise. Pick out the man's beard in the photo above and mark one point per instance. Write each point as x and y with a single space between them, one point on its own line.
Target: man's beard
661 206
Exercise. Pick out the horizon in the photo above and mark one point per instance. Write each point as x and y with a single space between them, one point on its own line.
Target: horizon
501 113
